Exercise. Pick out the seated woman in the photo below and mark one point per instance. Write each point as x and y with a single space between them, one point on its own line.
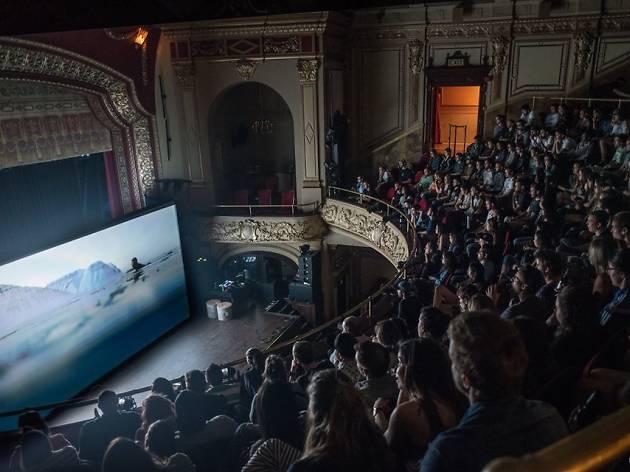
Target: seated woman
600 252
282 433
340 437
154 408
37 455
388 335
160 442
428 403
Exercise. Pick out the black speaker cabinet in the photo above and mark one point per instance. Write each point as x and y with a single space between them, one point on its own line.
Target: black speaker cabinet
310 269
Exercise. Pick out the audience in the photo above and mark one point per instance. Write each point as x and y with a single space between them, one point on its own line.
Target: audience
161 443
373 363
124 455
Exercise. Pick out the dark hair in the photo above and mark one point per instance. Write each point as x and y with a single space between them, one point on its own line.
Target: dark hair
481 302
163 387
108 401
195 381
256 358
478 270
489 351
303 352
551 261
275 368
450 261
31 420
600 216
353 325
621 261
278 414
189 412
532 278
388 333
155 407
36 448
374 358
428 370
124 455
576 307
434 322
344 345
160 439
214 376
339 426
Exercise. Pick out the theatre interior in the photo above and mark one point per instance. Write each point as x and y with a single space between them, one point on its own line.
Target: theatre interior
315 236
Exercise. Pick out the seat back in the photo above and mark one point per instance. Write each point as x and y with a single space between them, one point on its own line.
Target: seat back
264 196
241 197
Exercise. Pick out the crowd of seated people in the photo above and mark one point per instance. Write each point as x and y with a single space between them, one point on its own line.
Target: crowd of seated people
509 330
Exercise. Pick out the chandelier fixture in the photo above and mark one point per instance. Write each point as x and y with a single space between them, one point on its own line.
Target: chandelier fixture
262 127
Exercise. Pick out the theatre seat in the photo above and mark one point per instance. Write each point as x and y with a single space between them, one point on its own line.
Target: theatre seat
264 197
390 194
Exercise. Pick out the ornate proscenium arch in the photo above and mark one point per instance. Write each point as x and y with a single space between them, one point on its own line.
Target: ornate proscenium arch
113 98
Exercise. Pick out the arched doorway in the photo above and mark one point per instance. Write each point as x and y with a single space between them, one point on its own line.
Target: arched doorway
251 135
267 274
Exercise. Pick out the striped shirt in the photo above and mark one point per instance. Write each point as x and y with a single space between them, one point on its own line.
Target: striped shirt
273 455
618 307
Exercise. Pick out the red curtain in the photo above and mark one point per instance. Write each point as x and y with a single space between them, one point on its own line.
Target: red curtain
436 115
113 186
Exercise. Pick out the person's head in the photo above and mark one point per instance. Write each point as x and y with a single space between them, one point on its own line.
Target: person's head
155 407
31 420
124 455
275 368
498 166
488 356
36 449
164 387
619 268
449 261
423 368
339 426
372 359
278 414
352 325
525 281
387 333
482 254
108 402
553 108
616 115
519 185
542 239
600 253
195 381
596 221
189 412
159 439
303 353
574 307
214 376
548 263
620 226
432 323
464 293
344 346
255 359
481 302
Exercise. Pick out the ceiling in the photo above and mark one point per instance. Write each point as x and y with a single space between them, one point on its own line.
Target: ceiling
39 16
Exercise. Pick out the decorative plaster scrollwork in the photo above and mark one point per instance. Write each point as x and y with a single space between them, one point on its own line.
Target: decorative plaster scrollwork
281 45
185 74
255 230
387 238
245 68
307 70
584 46
416 55
500 45
142 138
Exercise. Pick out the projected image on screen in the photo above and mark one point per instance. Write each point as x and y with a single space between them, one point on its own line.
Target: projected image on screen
71 313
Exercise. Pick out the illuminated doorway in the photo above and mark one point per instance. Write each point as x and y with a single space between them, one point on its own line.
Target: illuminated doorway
455 117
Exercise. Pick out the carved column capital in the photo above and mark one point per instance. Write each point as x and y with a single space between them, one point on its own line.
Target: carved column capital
245 68
416 56
185 74
307 70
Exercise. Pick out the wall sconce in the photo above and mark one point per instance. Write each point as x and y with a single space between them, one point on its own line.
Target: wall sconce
138 36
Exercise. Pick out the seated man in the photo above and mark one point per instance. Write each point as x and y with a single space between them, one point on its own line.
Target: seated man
344 356
525 284
489 363
373 362
96 434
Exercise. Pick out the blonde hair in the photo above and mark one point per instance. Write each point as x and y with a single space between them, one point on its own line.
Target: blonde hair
600 252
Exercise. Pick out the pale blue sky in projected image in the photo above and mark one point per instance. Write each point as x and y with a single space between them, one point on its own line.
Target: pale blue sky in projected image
145 238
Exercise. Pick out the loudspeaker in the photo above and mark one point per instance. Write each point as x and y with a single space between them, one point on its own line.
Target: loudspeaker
300 292
310 269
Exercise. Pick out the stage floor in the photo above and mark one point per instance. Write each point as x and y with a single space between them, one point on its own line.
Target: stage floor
194 345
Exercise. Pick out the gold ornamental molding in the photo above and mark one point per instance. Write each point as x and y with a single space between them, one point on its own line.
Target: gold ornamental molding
584 47
307 70
386 238
59 65
184 74
245 68
416 56
270 229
